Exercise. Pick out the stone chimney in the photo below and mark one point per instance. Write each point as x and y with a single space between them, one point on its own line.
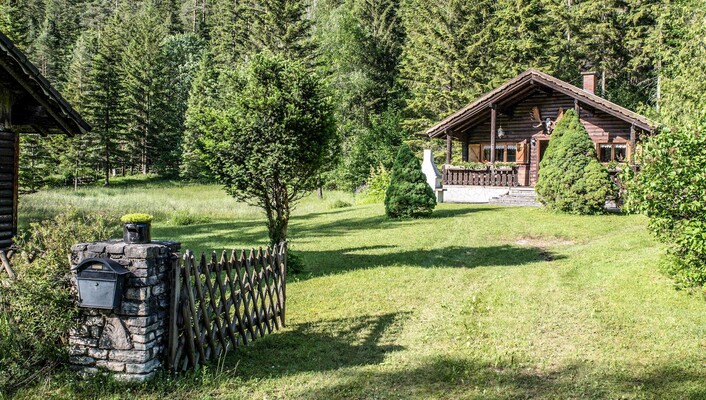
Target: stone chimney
433 175
589 82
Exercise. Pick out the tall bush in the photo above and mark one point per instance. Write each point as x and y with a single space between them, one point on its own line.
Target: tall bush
38 309
378 182
270 136
671 190
409 194
571 179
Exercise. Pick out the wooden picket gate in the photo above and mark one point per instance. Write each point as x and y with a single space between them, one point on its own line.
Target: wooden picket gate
218 305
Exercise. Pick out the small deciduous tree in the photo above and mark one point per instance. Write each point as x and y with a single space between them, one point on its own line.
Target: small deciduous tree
571 179
670 190
273 133
409 194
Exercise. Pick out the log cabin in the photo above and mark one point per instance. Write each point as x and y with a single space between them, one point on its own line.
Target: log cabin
28 105
511 126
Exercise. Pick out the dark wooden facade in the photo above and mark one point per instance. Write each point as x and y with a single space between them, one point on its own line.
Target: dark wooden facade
28 105
513 123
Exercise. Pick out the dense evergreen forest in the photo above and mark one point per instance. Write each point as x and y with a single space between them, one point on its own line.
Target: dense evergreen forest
147 74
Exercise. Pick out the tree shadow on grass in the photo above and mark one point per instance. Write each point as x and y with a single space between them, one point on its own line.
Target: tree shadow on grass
446 377
350 221
320 346
253 232
334 261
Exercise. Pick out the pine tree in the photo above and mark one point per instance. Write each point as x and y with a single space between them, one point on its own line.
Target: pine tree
601 45
200 115
170 11
181 55
106 96
521 42
683 86
446 57
230 25
142 72
283 28
409 194
77 157
571 179
51 50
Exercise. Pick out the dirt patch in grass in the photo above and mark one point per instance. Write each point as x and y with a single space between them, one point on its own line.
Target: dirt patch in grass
543 241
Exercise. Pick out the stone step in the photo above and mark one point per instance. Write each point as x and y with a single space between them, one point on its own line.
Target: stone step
515 192
513 200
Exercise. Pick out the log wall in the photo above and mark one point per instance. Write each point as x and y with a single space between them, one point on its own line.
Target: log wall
519 127
8 186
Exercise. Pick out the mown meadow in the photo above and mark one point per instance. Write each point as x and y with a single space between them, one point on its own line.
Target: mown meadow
475 302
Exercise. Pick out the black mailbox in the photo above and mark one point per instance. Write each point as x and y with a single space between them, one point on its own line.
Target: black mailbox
101 282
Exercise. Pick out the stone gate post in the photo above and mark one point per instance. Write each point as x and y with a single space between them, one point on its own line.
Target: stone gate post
129 341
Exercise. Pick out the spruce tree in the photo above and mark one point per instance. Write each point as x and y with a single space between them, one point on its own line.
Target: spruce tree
181 55
142 72
106 97
446 57
571 179
283 28
409 194
76 157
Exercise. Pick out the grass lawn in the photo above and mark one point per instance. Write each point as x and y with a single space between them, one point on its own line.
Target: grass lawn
476 302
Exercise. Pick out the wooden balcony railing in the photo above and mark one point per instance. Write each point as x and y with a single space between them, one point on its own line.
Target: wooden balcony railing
489 177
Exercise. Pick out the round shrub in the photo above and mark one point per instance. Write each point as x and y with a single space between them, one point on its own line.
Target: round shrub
570 178
408 195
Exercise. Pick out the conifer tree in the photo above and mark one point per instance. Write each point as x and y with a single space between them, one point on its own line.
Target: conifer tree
520 31
409 194
571 179
230 25
76 157
181 55
200 114
106 96
283 28
446 56
142 72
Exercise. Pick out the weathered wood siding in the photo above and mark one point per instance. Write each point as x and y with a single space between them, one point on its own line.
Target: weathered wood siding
8 187
519 127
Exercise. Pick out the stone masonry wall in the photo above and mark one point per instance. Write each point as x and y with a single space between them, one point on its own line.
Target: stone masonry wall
128 342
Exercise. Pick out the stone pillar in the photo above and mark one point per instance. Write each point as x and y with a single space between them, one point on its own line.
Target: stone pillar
130 341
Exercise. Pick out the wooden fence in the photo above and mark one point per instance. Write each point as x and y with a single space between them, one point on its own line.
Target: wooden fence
218 305
489 177
7 274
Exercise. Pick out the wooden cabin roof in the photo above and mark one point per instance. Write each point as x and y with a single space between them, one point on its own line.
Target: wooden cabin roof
524 85
37 106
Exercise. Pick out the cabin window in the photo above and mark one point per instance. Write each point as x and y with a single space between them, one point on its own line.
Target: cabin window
608 152
620 152
500 153
486 153
510 153
503 153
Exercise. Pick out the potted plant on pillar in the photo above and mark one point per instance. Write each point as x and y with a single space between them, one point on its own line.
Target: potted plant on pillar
136 228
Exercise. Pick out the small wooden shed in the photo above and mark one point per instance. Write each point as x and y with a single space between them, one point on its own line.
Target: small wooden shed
28 105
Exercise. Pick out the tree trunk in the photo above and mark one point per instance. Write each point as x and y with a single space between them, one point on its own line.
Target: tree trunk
107 165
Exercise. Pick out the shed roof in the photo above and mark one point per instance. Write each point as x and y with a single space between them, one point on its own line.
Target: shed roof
38 107
521 86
